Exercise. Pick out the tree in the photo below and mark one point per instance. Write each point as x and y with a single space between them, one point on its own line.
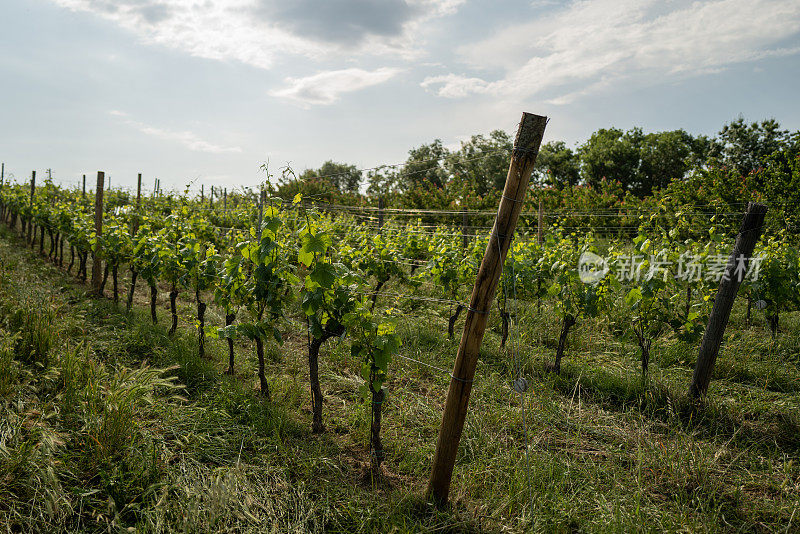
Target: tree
557 165
664 156
641 162
344 178
746 147
611 154
328 183
424 166
482 162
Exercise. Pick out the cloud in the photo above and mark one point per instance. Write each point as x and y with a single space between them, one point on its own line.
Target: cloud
219 30
590 46
188 139
325 87
455 86
259 32
341 21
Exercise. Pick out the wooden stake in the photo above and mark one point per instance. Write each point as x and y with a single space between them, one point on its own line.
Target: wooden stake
97 267
261 198
225 199
523 159
211 199
135 225
746 241
31 233
539 235
83 193
465 230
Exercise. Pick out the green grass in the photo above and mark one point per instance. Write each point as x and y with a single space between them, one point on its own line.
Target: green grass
108 425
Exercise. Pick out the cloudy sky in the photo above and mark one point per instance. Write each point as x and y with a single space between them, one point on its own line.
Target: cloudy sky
205 91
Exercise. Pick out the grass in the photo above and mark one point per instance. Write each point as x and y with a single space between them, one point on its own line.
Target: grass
108 425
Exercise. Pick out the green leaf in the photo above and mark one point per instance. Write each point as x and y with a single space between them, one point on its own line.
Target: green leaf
633 297
318 242
324 274
306 258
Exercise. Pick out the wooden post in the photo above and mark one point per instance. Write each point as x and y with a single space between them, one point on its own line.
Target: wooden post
202 197
381 206
31 233
109 182
465 230
523 159
539 236
261 199
225 199
135 225
83 193
746 241
2 174
211 199
97 270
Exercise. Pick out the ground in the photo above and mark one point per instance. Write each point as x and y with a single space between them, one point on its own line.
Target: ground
109 424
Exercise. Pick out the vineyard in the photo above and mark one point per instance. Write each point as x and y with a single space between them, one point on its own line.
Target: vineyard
283 318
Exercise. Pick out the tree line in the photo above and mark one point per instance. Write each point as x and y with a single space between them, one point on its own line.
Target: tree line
630 163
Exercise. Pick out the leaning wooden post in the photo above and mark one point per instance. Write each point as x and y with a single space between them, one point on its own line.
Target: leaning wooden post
97 271
523 158
738 262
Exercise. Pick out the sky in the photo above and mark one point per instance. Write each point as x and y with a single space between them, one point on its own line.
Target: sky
208 91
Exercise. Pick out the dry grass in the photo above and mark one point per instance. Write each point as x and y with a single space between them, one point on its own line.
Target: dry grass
121 427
